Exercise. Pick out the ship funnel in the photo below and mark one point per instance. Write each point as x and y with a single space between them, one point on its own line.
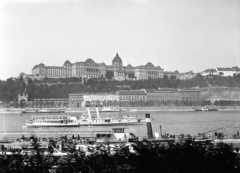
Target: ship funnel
149 126
160 131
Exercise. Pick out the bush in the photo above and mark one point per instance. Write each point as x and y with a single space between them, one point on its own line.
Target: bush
188 156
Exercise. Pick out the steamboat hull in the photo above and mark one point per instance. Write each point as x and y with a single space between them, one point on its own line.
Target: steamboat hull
85 124
25 112
112 124
52 125
109 111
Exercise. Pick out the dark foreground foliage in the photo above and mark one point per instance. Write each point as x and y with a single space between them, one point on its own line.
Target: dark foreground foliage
144 157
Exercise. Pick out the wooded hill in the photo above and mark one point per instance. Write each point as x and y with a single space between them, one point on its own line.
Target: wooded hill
60 88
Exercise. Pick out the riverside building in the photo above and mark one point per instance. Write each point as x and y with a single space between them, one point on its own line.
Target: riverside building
48 103
99 98
91 69
132 95
76 100
171 94
162 94
190 94
221 94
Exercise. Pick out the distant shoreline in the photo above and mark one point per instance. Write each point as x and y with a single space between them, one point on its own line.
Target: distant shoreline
136 109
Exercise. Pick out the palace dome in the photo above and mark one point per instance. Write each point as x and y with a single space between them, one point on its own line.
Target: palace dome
129 65
149 64
117 59
35 67
41 65
90 61
67 62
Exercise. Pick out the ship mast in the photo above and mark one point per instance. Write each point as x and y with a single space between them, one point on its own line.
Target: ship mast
97 112
89 114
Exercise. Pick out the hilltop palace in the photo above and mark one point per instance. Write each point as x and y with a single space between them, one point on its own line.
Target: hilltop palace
91 69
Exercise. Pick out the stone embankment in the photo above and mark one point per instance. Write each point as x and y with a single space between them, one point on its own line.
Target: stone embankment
10 110
170 108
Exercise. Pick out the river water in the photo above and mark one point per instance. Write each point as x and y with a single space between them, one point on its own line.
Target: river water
177 122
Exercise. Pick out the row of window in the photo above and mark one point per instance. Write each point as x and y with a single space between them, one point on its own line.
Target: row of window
132 96
164 94
75 98
62 122
131 100
163 98
88 75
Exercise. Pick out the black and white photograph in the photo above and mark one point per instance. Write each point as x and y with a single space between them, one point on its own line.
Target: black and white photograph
120 86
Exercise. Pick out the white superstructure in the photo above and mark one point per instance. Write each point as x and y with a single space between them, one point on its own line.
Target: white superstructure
110 109
52 121
108 121
84 120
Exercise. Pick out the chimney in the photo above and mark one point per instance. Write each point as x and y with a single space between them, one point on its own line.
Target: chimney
149 126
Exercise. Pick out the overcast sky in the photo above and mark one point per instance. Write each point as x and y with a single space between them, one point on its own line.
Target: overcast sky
179 35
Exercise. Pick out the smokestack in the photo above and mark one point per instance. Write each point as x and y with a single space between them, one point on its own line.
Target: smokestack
149 126
160 132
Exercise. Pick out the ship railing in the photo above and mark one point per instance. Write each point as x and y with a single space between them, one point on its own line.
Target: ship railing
51 117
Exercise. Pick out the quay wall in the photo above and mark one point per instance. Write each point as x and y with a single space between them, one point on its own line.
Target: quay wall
170 108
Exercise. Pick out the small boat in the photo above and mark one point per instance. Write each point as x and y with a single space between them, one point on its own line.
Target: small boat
116 109
133 110
206 109
50 111
110 109
28 111
53 121
212 109
42 111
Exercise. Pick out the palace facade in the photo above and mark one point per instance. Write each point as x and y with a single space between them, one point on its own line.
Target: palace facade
91 69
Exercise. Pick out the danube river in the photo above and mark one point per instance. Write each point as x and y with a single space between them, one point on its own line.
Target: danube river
171 122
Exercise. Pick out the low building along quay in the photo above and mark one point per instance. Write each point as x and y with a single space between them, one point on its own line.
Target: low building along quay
121 96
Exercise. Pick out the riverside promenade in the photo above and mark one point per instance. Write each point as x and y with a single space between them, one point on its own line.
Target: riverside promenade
167 108
139 109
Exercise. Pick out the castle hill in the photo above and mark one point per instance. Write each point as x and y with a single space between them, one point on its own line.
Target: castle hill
119 86
91 84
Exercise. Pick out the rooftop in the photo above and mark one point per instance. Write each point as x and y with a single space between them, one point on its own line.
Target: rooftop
131 92
210 71
225 69
90 61
117 59
150 90
166 90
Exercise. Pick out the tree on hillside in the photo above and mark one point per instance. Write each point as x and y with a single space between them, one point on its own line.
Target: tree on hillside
22 103
109 74
131 75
